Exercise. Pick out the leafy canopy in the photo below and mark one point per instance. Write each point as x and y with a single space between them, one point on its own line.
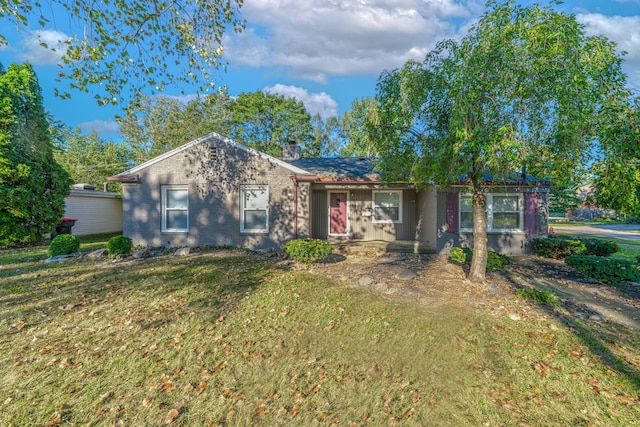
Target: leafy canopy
266 121
135 44
32 184
525 86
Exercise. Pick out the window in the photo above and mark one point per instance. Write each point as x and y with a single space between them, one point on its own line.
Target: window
254 213
175 209
504 212
387 206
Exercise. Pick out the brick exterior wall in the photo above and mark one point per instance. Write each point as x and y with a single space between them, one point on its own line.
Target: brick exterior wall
213 184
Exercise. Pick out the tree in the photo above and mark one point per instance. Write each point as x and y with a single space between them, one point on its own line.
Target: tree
267 121
617 173
154 125
89 159
32 184
525 86
355 124
325 137
117 44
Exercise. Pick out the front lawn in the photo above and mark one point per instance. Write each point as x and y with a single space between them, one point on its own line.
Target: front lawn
230 338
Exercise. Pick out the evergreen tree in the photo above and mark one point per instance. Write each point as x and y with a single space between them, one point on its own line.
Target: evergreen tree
32 184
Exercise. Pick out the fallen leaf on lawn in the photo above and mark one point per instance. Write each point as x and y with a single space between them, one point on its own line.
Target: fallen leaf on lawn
295 410
314 390
55 420
172 415
147 402
221 366
408 413
626 399
201 387
281 412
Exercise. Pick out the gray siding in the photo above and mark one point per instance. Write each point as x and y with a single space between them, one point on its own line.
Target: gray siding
96 212
214 198
513 243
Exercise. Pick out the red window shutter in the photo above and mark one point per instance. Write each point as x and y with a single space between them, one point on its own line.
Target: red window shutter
452 212
530 213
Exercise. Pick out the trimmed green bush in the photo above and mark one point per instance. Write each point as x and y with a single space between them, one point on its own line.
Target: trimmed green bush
119 245
610 271
600 247
64 244
560 247
307 251
495 261
557 248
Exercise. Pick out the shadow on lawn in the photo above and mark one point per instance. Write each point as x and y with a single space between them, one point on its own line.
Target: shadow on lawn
584 311
32 292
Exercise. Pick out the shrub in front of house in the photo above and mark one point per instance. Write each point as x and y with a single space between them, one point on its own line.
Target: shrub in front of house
64 244
119 245
495 261
307 251
600 247
558 248
610 271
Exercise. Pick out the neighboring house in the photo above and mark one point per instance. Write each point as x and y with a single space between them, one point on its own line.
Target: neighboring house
214 191
96 212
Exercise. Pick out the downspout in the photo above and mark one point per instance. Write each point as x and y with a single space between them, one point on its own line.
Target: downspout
295 206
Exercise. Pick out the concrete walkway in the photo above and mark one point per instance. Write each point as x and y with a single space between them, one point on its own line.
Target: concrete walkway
611 231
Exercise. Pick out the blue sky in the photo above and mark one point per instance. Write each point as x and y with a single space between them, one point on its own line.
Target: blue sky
325 53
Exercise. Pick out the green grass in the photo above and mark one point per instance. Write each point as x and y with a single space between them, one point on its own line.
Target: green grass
229 338
582 223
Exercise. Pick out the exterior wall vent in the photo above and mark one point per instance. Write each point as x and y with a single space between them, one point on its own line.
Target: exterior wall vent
213 153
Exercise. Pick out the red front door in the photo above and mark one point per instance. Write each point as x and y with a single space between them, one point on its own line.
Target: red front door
338 213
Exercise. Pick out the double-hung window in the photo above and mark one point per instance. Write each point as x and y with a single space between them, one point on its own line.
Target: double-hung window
254 209
387 206
505 212
175 208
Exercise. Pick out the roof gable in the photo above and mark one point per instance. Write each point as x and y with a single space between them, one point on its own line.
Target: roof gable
209 137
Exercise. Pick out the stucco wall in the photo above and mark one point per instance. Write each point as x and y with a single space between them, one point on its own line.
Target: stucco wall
214 198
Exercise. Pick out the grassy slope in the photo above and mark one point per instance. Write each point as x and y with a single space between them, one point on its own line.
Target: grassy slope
224 338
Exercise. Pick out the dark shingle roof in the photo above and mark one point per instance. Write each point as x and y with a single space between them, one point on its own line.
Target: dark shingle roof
338 167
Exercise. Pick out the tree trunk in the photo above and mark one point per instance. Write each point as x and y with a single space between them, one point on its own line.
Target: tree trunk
479 260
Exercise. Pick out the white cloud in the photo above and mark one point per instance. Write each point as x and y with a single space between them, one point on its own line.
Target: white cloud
100 126
317 38
37 54
316 103
625 31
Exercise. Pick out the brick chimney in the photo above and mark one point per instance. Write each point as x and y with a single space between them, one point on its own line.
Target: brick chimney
291 151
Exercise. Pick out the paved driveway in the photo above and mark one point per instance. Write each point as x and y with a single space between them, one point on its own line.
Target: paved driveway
617 231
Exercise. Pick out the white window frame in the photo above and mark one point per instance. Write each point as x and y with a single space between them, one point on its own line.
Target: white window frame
489 212
373 207
243 189
165 209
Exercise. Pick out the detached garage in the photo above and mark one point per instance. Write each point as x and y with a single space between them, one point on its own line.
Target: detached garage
97 212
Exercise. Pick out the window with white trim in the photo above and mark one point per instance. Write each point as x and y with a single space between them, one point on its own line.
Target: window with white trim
175 208
387 206
254 209
505 212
